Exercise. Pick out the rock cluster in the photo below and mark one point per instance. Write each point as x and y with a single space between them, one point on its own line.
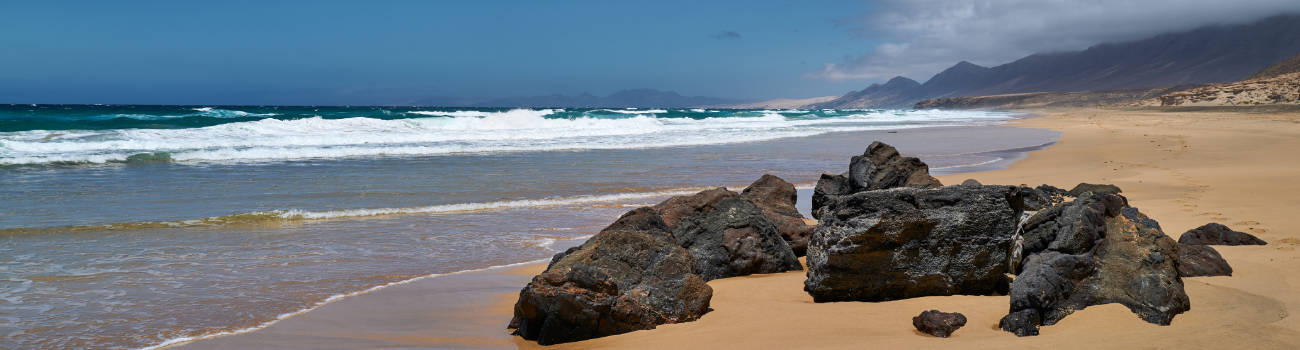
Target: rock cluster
937 323
886 230
650 266
630 276
1217 234
1094 250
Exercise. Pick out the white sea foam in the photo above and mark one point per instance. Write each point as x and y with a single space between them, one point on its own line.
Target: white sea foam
228 113
464 207
633 111
446 133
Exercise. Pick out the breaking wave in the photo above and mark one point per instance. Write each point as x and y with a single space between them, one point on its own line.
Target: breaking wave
449 132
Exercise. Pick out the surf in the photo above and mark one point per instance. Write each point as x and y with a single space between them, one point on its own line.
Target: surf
275 137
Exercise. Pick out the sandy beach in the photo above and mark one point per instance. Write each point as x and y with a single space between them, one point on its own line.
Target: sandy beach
1183 169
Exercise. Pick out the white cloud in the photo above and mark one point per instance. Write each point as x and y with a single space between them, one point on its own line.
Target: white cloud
923 37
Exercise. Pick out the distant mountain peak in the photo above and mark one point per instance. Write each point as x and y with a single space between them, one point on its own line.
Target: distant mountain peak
901 81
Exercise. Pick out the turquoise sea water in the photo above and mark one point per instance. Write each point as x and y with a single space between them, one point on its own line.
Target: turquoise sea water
132 226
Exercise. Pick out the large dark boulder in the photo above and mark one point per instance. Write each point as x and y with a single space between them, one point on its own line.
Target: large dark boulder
1217 234
879 167
630 276
777 198
937 323
911 242
1196 260
1091 251
727 235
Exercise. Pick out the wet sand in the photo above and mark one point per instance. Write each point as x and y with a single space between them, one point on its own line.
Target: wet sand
1183 169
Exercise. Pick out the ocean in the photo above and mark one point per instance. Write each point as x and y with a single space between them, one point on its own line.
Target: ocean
136 226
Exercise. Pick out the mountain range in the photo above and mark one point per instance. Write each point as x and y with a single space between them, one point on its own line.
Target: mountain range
1219 53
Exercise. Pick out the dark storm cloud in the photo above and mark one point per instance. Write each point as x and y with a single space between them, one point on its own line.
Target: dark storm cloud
920 38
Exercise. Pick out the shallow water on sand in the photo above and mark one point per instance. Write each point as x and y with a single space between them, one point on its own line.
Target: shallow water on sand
127 256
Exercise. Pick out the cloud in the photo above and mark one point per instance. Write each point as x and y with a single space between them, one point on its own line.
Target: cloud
921 38
726 35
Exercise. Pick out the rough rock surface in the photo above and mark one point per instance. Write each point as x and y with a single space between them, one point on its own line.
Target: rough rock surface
1217 234
1195 260
630 276
777 198
1082 188
879 167
726 235
911 242
939 324
1043 196
1091 251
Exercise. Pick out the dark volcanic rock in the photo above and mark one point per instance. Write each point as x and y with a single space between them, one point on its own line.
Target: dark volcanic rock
1023 323
1043 196
1082 188
628 277
879 167
971 182
939 324
777 198
727 235
1195 260
1217 234
677 208
829 185
1070 227
911 242
1091 251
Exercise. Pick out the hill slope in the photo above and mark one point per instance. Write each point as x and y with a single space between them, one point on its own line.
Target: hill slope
1290 65
1205 55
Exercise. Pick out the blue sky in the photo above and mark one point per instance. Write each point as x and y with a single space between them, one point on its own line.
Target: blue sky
353 52
390 52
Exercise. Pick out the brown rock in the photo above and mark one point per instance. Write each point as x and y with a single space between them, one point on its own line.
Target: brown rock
1217 234
777 198
1195 260
726 235
937 323
630 276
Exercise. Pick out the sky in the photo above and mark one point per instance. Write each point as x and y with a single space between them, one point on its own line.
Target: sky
329 52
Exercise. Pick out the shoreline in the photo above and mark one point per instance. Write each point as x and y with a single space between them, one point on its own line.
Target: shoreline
1004 157
336 298
1151 155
